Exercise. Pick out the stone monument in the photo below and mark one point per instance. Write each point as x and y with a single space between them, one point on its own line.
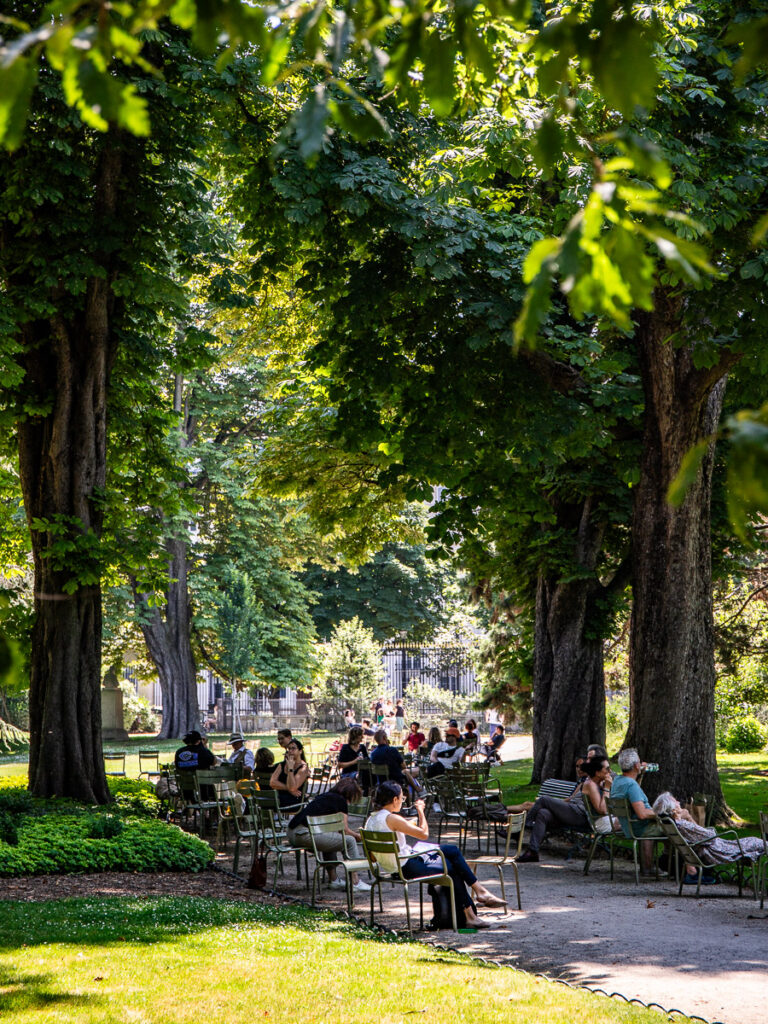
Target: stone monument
112 727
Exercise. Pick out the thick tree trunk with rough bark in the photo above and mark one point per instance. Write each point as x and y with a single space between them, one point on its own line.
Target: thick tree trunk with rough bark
62 460
672 668
168 639
568 681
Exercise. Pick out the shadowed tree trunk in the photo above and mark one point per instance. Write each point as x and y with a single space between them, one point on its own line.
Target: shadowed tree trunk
168 641
568 681
62 459
672 668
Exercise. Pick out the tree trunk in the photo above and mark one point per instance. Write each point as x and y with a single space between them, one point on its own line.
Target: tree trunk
672 668
568 681
62 461
169 644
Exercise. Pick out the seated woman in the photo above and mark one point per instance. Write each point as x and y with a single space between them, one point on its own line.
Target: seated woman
470 738
389 799
596 785
335 801
550 811
352 752
290 775
715 850
433 736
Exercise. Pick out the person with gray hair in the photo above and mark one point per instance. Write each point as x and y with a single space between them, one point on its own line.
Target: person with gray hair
711 847
642 814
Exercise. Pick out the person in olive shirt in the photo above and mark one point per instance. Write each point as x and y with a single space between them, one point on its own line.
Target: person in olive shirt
335 801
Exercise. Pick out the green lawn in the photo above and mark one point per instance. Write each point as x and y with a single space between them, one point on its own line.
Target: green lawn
316 743
177 960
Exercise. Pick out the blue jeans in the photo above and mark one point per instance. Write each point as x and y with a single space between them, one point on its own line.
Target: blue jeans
458 869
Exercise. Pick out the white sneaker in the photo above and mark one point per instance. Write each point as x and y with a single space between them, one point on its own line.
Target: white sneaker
361 886
338 883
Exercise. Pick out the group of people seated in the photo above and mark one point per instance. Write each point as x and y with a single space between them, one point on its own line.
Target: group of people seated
596 782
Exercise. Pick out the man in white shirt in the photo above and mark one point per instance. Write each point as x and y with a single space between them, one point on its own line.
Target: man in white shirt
445 755
240 754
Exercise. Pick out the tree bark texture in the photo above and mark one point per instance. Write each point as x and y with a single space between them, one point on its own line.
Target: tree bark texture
672 668
169 644
568 680
62 460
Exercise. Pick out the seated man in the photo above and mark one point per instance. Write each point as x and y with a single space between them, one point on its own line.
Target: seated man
491 750
194 754
642 814
382 753
241 755
445 755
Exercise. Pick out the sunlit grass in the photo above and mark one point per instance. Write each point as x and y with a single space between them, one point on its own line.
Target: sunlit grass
184 961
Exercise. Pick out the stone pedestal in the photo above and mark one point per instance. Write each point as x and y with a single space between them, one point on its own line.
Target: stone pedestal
112 727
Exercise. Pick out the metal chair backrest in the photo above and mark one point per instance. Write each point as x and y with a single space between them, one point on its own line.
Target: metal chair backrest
679 843
262 777
559 788
377 843
324 824
149 762
380 772
361 808
246 821
114 762
515 828
620 807
247 788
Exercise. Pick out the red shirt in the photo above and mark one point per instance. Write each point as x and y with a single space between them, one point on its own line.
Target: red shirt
414 740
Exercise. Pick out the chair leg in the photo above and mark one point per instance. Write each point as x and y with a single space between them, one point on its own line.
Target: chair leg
408 910
590 855
314 883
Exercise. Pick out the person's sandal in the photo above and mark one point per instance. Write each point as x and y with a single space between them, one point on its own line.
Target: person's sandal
490 901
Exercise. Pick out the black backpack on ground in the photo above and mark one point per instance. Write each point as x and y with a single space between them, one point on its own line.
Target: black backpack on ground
441 909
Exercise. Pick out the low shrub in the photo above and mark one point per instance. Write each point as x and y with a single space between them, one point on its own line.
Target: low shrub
15 799
745 736
8 833
59 844
104 826
135 797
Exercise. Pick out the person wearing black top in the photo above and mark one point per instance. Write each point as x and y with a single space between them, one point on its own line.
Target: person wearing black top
290 775
335 801
352 752
393 759
194 754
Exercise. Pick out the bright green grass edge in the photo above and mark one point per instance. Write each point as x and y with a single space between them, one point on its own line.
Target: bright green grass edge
181 960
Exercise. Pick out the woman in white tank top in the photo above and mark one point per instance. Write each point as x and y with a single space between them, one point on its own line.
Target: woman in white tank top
420 861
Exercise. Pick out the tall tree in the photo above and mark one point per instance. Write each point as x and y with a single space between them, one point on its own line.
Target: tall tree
89 256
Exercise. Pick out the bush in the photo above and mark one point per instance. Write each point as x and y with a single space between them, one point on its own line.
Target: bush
58 844
104 826
15 799
745 736
134 797
8 833
138 715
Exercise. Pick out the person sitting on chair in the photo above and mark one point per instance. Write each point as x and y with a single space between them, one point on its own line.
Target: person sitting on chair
194 754
550 811
597 785
491 750
389 800
352 752
445 755
335 801
627 787
290 775
393 759
415 738
714 849
241 755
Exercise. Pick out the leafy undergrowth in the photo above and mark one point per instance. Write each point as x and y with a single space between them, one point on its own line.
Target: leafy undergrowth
42 837
176 960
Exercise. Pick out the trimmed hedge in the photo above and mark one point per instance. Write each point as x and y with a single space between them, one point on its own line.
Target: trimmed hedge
70 844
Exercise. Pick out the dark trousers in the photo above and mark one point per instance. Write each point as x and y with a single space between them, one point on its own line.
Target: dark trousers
548 811
458 869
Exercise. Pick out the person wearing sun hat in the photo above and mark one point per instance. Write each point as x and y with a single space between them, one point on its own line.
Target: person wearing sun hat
241 755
